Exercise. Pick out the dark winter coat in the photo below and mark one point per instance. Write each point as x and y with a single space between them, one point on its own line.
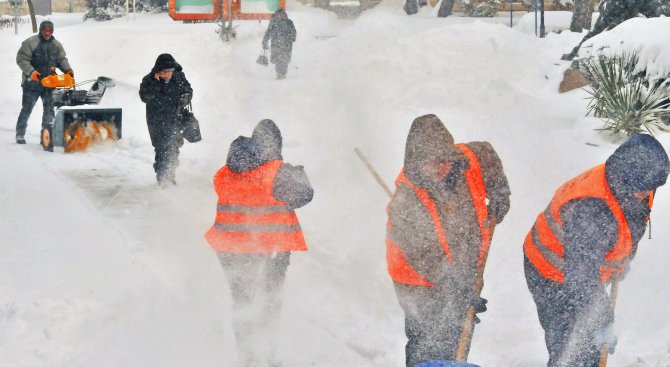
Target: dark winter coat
281 33
429 140
291 184
38 54
591 231
434 316
165 100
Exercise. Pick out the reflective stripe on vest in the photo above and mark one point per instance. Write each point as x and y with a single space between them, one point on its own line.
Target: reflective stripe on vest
397 265
543 245
248 217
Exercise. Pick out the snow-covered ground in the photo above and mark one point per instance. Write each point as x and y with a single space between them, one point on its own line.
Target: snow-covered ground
99 267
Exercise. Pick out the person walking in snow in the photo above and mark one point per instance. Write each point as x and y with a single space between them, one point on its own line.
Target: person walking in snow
447 199
254 233
281 34
166 92
38 57
583 240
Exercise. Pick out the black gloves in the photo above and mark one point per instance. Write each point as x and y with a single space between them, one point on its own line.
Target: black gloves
498 209
605 335
479 304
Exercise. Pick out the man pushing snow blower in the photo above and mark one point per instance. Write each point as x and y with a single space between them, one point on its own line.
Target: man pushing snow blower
38 57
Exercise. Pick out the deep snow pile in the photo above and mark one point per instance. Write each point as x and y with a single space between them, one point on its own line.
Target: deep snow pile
101 268
648 38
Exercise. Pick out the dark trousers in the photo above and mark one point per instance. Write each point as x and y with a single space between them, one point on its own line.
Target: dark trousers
30 97
166 143
281 58
256 282
281 68
433 324
567 335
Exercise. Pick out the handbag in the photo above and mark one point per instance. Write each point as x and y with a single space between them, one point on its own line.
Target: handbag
190 127
262 59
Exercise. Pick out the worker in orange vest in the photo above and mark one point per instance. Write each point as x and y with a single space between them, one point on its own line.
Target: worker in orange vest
584 239
439 228
254 232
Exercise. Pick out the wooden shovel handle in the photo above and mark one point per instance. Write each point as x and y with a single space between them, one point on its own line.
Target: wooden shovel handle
604 349
469 325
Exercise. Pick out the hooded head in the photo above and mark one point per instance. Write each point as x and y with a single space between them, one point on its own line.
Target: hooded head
280 13
639 164
264 146
430 152
165 62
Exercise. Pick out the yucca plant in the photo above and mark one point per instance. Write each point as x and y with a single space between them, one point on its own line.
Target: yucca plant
624 98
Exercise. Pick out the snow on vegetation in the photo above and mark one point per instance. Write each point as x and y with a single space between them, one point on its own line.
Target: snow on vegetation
101 268
648 38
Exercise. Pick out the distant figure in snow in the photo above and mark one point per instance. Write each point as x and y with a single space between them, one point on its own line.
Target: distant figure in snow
412 7
447 199
254 232
281 34
38 57
585 239
614 12
166 92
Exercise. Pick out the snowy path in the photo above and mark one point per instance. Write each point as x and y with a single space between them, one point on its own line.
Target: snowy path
99 267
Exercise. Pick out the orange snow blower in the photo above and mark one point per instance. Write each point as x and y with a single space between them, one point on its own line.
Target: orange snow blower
77 126
58 81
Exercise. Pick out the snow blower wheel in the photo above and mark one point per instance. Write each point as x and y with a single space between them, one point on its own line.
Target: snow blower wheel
45 139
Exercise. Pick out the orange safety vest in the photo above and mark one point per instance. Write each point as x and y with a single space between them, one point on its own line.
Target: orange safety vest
397 265
543 246
248 217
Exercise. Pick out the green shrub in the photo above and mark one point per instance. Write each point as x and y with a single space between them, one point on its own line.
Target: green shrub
110 9
625 99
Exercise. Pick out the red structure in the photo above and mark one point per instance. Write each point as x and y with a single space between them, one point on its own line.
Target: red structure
238 14
185 16
221 9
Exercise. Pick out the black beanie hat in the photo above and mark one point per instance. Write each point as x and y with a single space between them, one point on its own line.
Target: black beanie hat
165 62
46 24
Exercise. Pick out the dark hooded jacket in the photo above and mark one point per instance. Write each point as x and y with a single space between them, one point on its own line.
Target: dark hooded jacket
640 164
165 99
281 33
429 141
580 308
291 184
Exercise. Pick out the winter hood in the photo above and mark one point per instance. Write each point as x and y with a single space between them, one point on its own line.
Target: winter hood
428 142
165 61
264 146
639 164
